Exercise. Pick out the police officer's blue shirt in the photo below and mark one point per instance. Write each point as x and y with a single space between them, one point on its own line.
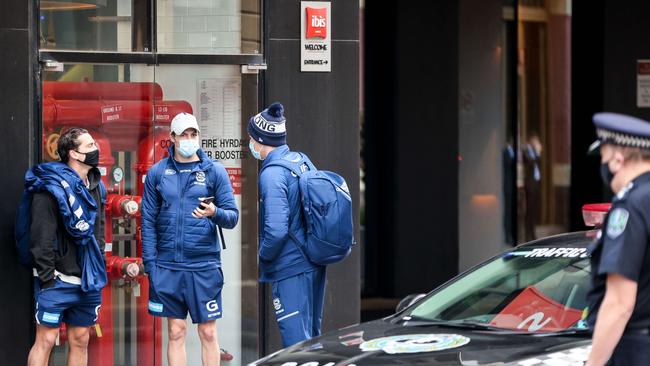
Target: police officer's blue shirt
280 212
622 248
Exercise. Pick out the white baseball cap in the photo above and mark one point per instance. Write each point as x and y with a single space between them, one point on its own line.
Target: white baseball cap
182 122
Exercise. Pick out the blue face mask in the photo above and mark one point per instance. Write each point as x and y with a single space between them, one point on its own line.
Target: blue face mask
187 148
256 154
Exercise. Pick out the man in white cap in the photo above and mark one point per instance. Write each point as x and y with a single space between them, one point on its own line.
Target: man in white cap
186 197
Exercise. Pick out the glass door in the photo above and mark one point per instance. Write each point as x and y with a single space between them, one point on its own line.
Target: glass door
122 70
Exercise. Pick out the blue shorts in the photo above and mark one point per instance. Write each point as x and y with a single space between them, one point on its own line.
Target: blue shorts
172 293
66 303
298 305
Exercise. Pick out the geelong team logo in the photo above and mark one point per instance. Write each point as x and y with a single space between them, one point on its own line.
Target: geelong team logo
82 225
97 312
212 305
276 304
415 343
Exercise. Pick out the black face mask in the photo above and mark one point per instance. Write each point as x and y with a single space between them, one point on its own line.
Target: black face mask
92 158
606 175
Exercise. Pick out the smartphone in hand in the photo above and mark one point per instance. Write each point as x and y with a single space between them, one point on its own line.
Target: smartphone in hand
206 200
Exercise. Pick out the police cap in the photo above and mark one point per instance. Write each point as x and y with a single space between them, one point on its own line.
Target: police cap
621 130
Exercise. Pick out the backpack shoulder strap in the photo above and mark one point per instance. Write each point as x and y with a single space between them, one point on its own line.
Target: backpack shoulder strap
307 161
156 172
212 172
284 163
102 192
293 166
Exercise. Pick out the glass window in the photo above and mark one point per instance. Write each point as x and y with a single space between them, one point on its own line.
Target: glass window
214 93
87 25
127 109
544 118
117 113
208 26
187 27
529 289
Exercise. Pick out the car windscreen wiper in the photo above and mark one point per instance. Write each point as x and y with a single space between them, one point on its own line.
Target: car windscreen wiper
564 332
411 321
415 321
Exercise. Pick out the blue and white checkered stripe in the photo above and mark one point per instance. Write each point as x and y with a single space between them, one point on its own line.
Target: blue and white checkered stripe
75 207
570 357
623 139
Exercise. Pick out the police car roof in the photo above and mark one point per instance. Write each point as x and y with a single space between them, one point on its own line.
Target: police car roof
580 239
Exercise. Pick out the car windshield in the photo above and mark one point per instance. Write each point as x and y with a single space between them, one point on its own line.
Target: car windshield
533 289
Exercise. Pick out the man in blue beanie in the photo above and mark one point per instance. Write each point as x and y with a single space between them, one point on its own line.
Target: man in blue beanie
298 284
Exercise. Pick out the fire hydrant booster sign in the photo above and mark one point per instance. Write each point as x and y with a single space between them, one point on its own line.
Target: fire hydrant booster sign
315 37
219 115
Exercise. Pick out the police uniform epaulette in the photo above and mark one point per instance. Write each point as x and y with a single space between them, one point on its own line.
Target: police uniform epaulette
624 192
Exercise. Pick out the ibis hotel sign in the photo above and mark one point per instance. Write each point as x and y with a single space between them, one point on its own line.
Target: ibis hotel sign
315 36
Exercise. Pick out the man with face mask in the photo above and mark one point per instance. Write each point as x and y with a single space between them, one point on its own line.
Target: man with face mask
619 298
186 196
298 284
67 245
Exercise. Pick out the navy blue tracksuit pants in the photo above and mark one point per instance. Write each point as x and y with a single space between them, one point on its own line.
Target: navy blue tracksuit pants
632 350
298 305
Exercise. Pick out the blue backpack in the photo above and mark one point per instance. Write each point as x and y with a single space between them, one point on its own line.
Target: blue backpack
327 211
23 224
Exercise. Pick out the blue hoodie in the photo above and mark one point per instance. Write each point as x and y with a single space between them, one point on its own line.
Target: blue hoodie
280 211
78 211
170 234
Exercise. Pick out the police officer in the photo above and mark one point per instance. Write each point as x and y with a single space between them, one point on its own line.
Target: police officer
619 298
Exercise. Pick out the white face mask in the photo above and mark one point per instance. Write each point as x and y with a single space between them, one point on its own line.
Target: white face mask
187 148
256 154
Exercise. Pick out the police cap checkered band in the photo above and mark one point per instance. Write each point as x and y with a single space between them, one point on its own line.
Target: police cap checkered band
622 139
621 130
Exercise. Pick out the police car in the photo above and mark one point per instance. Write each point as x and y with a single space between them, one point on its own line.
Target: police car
526 306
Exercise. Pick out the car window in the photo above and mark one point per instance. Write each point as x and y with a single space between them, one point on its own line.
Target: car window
527 289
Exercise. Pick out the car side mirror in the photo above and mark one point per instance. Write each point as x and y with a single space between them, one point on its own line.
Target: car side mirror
408 301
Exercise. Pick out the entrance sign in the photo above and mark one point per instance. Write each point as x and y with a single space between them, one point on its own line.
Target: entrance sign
315 36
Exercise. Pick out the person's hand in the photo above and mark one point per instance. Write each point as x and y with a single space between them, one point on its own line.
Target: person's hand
204 210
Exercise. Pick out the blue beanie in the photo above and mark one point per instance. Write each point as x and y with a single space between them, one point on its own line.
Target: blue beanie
268 127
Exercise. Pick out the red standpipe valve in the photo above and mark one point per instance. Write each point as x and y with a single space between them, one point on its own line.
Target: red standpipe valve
119 267
121 205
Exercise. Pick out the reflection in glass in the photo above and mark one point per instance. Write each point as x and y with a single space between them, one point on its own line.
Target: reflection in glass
85 25
197 26
530 290
544 118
